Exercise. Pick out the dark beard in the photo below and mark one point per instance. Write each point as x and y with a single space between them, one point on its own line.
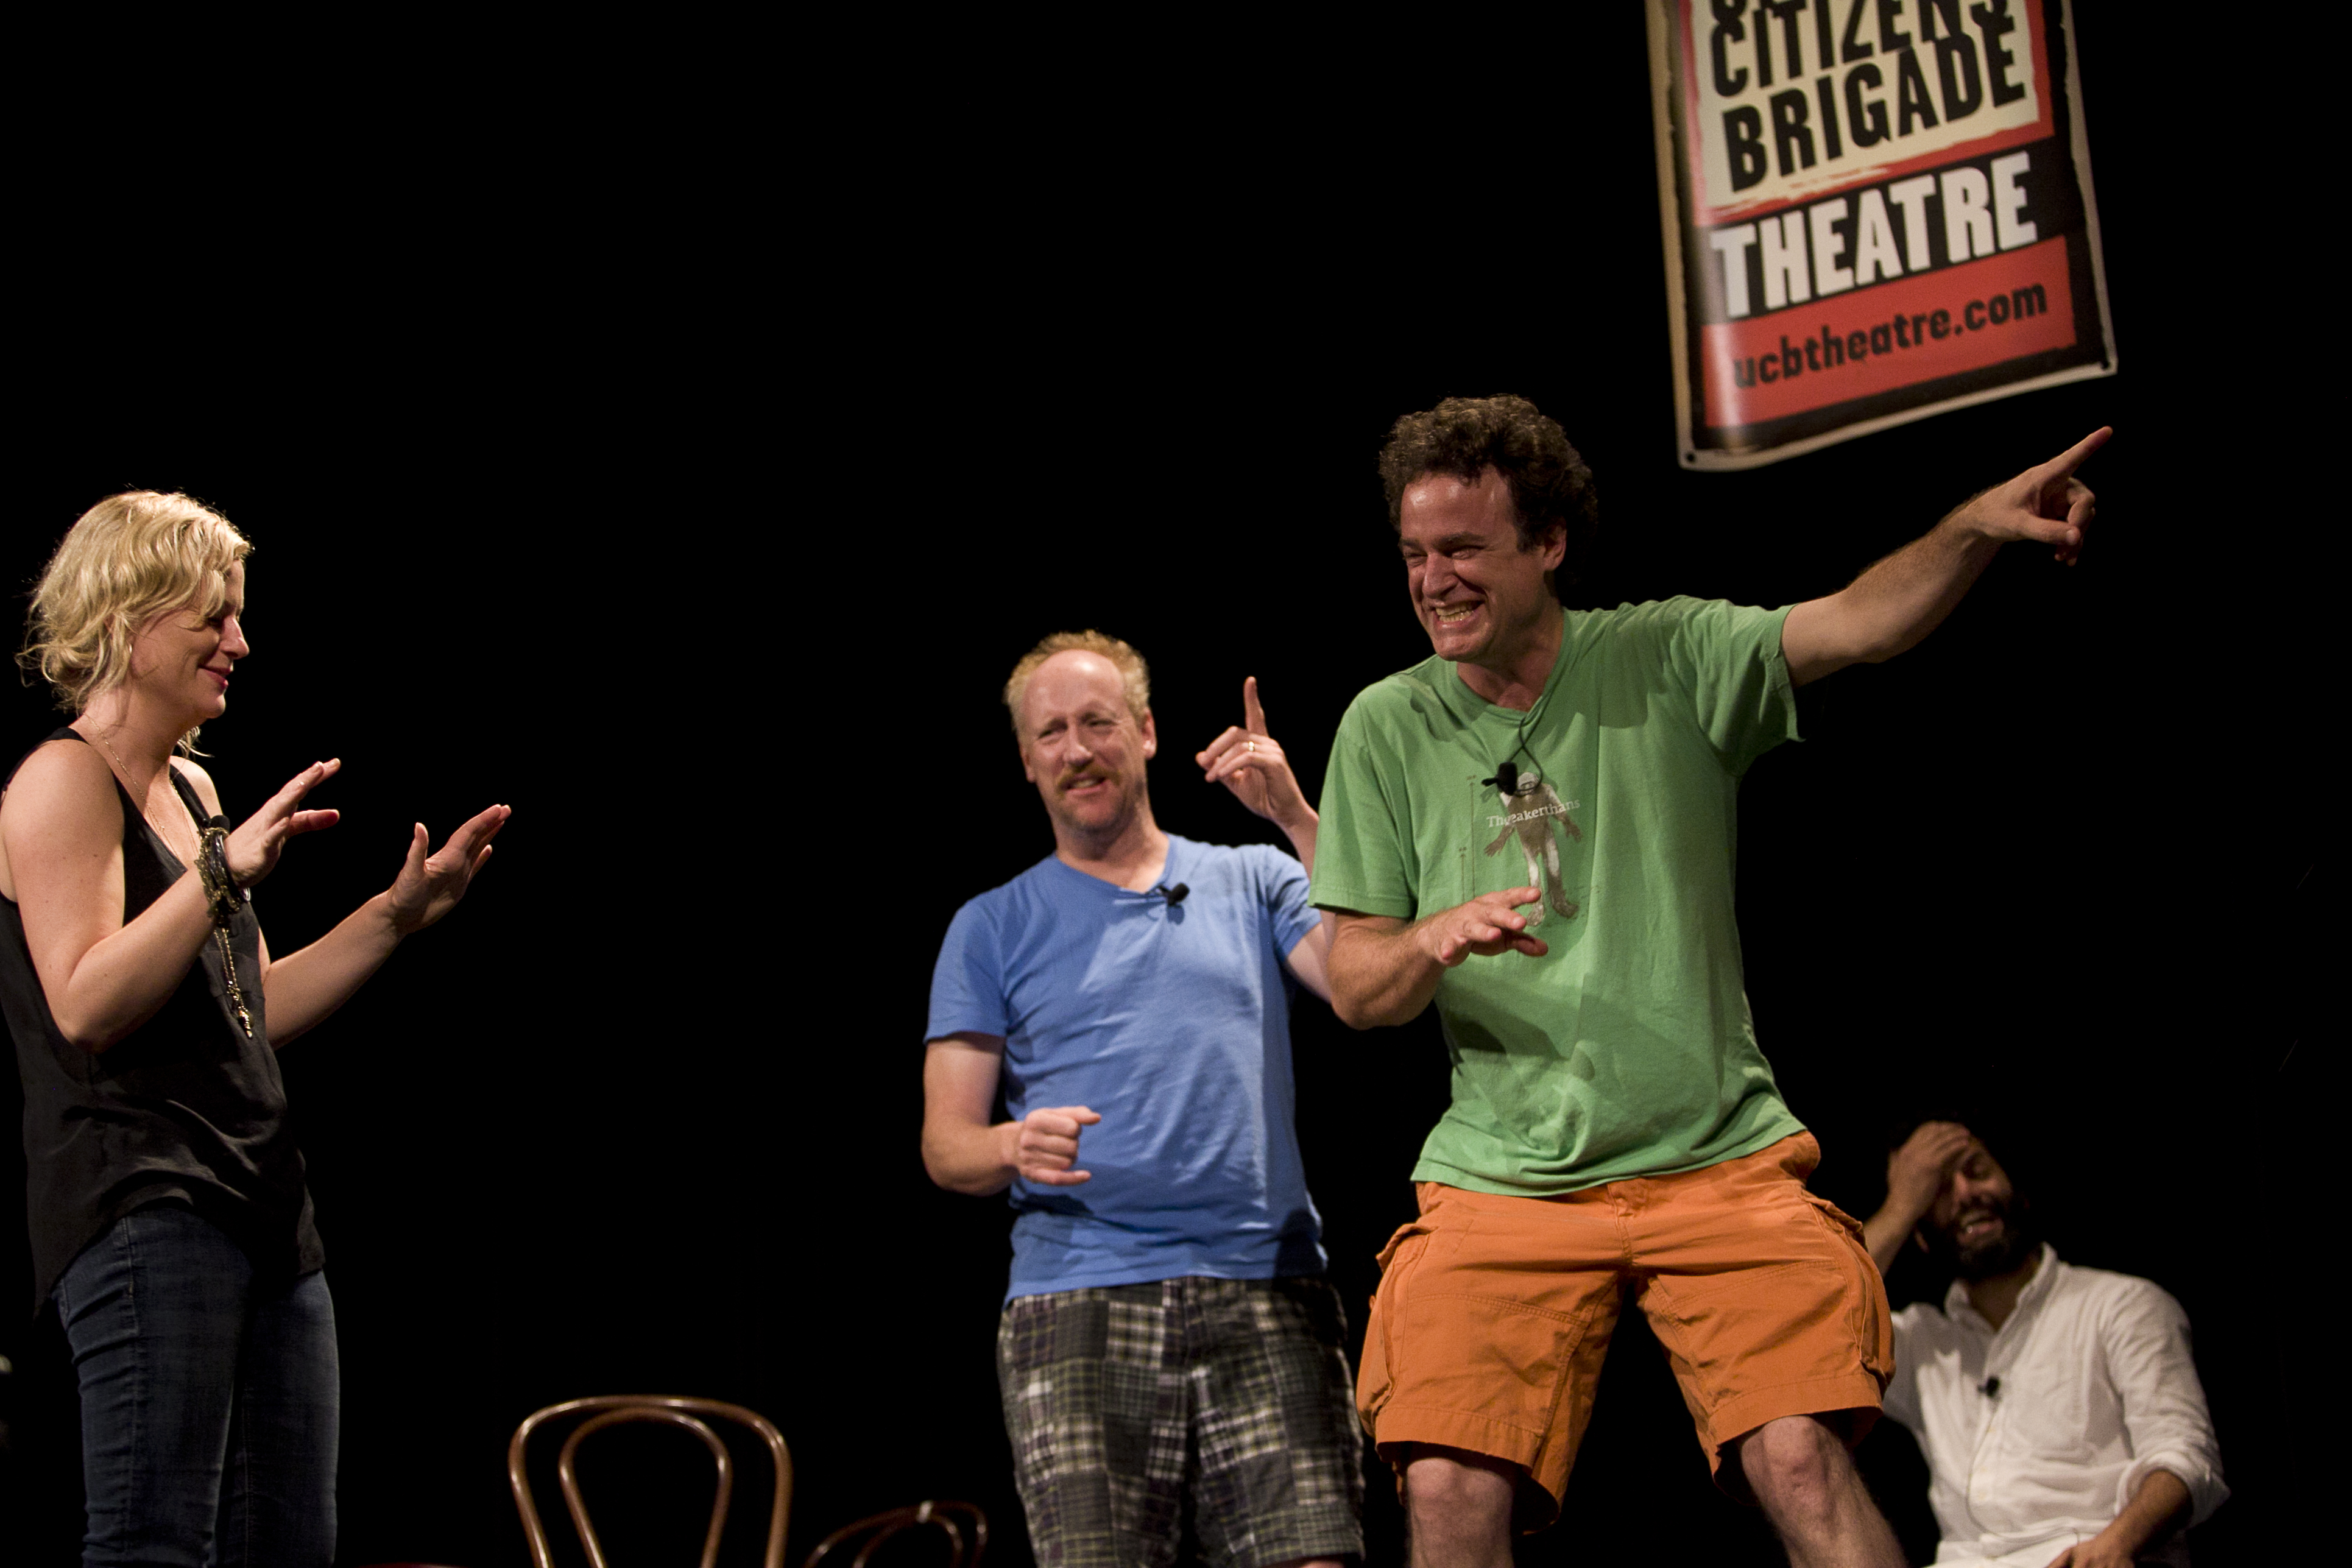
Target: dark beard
1998 1252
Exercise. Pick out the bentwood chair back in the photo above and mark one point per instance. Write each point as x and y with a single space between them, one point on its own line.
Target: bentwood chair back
965 1526
672 1410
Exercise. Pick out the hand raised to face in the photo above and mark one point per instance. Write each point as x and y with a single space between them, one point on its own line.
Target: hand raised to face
1917 1171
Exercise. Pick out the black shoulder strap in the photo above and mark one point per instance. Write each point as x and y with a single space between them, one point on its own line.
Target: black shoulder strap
188 795
62 732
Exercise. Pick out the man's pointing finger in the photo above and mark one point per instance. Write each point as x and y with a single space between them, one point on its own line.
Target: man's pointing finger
2073 457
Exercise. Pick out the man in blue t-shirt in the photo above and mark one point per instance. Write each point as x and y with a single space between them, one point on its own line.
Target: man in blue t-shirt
1169 1346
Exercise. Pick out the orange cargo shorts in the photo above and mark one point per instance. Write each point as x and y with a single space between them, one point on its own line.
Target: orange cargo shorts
1494 1313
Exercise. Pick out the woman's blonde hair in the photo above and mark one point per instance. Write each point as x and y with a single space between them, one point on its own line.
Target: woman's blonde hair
130 558
1134 675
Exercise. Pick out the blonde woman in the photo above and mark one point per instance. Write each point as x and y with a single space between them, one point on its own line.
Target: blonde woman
168 1218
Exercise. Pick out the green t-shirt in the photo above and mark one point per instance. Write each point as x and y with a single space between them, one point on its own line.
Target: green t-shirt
1627 1049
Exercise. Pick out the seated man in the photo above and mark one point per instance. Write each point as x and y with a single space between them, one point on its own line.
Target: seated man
2058 1407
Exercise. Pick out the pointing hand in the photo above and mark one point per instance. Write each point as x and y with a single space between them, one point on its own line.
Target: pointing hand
2046 503
1248 762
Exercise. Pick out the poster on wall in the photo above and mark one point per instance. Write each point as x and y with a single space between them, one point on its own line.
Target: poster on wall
1875 210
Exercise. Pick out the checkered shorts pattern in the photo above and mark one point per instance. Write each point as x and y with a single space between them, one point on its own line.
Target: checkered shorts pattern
1222 1406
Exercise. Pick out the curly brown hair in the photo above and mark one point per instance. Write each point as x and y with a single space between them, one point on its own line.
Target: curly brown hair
1551 486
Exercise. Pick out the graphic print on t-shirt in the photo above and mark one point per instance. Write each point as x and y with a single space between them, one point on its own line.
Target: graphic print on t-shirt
1533 813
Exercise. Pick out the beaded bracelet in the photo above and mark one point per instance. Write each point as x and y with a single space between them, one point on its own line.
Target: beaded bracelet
224 898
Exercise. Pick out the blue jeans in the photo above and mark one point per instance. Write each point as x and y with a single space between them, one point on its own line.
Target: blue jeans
208 1402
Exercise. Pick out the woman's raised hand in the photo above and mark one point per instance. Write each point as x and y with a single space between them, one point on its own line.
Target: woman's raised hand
429 885
254 845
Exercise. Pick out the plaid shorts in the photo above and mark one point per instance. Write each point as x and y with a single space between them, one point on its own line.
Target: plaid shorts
1221 1407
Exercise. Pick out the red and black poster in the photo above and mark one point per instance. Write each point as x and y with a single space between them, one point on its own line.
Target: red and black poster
1875 210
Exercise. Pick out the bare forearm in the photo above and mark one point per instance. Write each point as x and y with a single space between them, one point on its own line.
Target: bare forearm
970 1157
1885 1231
305 987
1301 835
1891 608
1903 597
2161 1502
122 981
1379 975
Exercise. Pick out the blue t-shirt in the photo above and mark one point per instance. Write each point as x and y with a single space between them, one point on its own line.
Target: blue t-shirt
1172 1022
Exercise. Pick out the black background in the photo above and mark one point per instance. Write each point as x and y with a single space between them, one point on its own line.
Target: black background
702 525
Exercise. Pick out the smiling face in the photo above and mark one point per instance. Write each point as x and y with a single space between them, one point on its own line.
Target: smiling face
1978 1221
1482 599
1082 747
180 659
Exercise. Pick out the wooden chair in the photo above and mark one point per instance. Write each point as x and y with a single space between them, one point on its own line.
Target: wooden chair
614 1409
966 1540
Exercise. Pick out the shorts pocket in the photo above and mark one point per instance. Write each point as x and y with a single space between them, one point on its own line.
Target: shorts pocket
1405 1233
1873 1321
1839 1220
1374 1383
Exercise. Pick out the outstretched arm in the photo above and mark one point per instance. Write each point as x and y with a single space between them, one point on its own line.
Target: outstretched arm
1896 602
962 1151
304 987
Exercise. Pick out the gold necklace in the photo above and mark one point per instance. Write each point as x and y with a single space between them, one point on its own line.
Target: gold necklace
121 769
123 772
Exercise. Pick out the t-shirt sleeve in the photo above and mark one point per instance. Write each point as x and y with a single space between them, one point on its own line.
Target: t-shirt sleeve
1282 884
1727 659
1360 846
967 981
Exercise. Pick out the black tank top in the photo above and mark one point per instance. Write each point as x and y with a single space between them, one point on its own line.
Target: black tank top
186 1108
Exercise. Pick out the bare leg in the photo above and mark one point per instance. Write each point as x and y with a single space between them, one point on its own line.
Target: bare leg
1458 1509
1814 1496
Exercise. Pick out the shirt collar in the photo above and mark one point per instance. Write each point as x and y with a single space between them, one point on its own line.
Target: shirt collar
1960 1310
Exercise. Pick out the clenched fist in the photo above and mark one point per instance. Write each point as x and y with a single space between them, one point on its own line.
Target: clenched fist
1046 1145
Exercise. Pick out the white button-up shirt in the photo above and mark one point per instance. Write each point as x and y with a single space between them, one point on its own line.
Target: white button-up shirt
2095 1389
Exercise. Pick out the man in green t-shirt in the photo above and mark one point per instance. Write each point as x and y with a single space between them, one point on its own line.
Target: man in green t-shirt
1552 793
